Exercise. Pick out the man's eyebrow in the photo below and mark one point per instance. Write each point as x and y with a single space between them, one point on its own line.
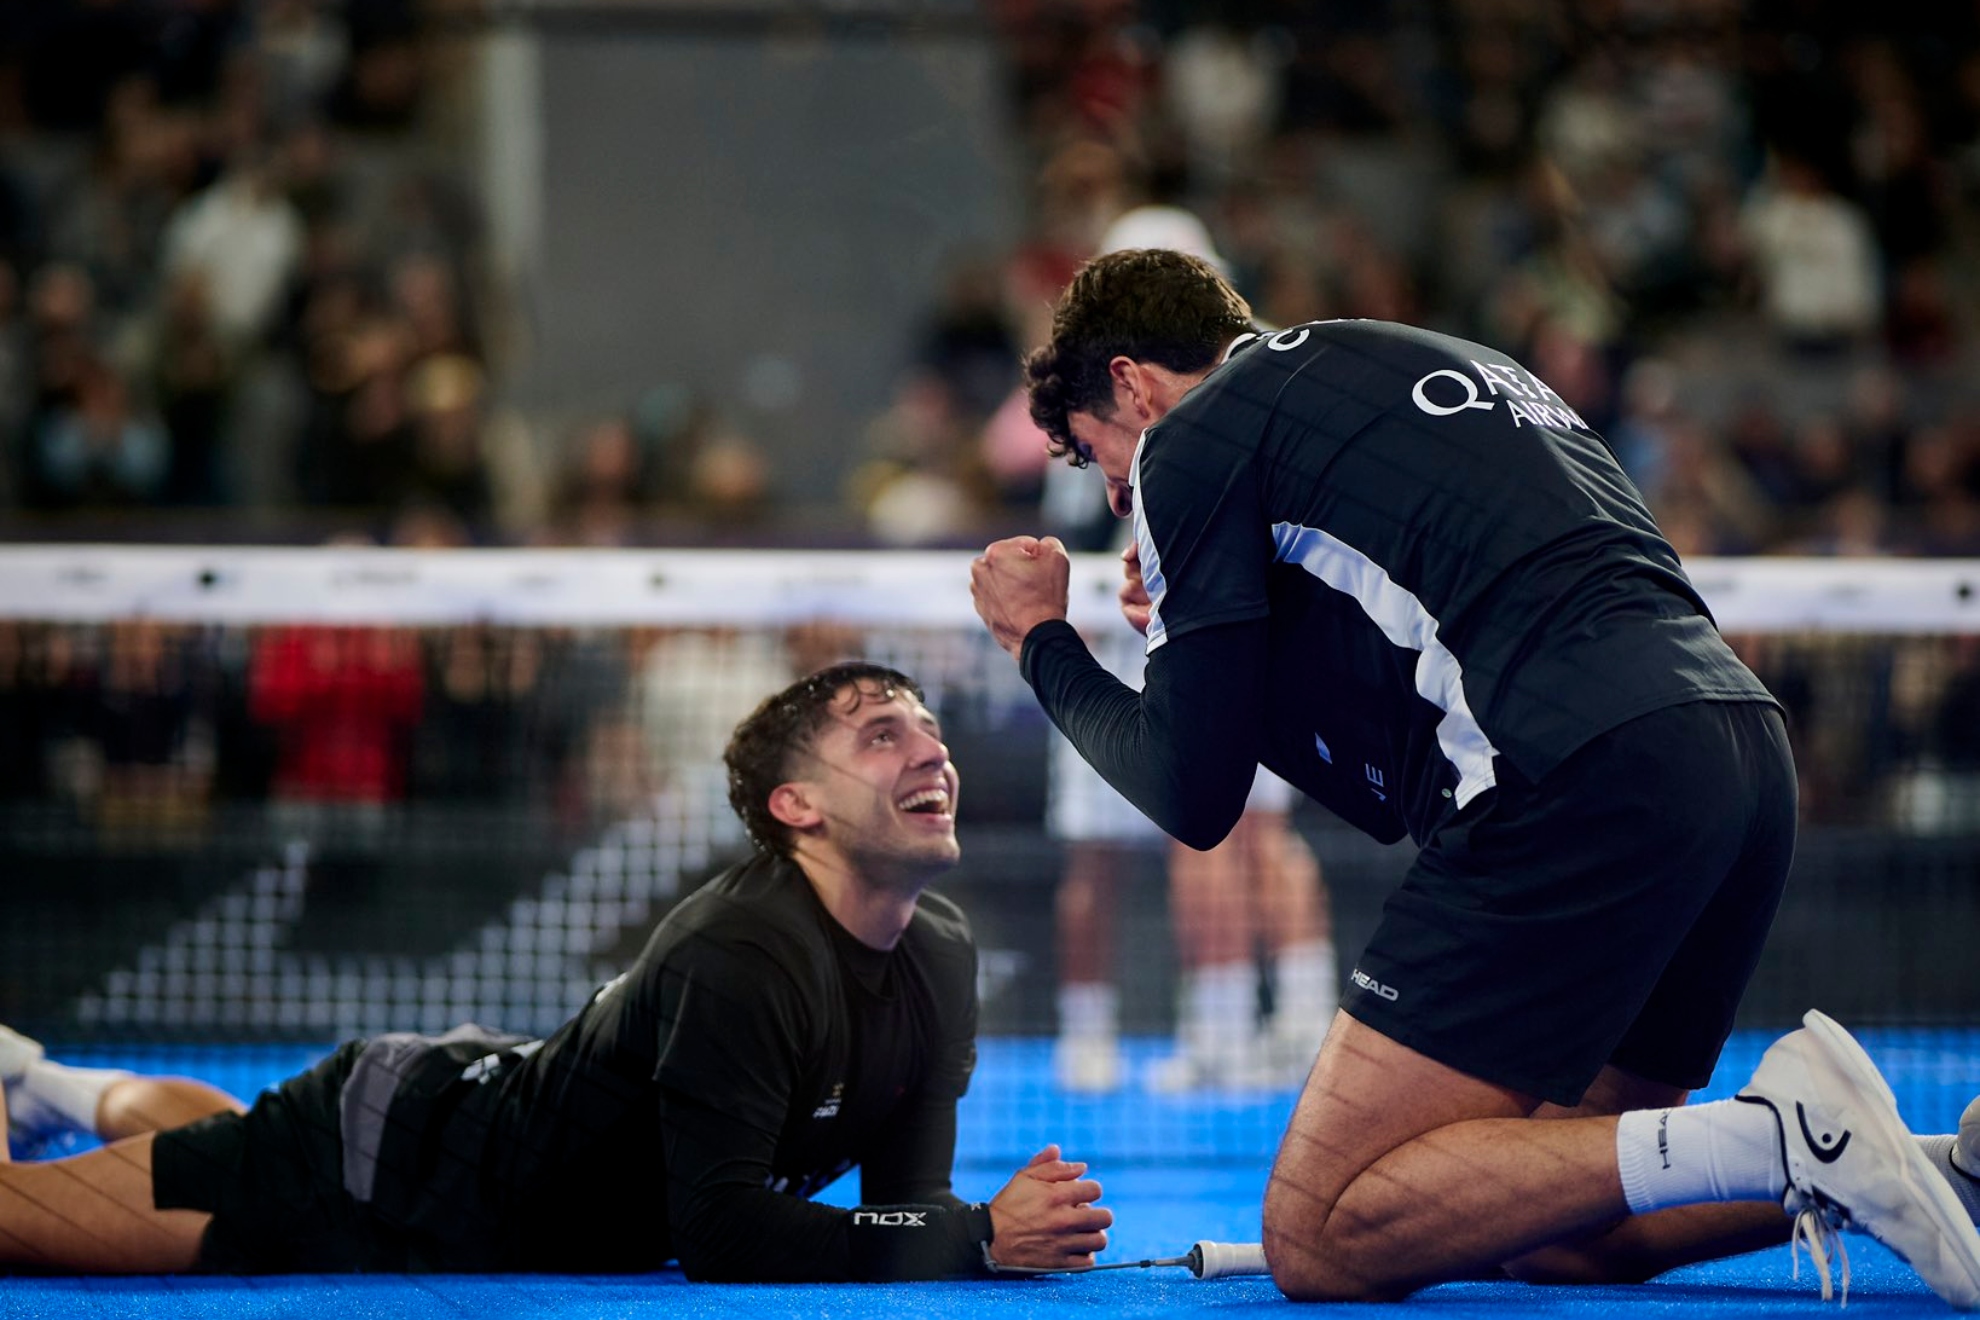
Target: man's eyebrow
920 715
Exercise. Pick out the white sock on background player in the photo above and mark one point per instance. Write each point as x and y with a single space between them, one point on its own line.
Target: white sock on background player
1305 993
1087 1055
56 1097
1217 1041
45 1098
1305 980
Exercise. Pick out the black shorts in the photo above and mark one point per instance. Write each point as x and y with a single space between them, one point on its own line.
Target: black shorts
272 1179
1612 912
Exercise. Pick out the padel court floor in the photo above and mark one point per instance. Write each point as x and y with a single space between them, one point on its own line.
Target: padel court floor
1176 1169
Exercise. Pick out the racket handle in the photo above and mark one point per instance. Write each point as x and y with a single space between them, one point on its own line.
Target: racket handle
1223 1260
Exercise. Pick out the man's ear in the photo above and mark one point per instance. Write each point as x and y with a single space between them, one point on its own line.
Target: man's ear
1131 385
791 804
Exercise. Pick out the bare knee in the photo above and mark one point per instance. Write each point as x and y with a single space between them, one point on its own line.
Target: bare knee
135 1105
1316 1255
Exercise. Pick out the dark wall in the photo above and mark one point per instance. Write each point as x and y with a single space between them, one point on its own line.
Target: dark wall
760 216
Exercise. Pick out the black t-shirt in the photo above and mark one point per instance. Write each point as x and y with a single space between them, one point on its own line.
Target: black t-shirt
753 1053
1401 536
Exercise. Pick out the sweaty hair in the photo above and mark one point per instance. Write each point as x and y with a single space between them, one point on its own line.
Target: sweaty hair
761 750
1148 304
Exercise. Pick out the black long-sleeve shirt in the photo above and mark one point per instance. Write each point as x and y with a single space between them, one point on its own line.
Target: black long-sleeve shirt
755 1052
1379 561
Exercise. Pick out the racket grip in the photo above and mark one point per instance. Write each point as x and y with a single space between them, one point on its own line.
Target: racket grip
1223 1260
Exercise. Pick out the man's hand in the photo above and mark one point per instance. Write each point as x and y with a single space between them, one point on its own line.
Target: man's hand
1045 1217
1018 584
1136 607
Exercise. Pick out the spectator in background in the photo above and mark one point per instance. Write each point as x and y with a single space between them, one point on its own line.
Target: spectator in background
969 342
385 71
157 754
1814 258
61 345
93 450
342 702
1223 81
1732 517
246 238
300 53
1938 492
600 500
193 378
472 743
426 295
108 217
358 443
1825 468
444 394
922 482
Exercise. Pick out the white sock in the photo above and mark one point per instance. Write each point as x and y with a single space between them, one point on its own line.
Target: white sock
1304 984
1088 1009
55 1097
1726 1150
1219 1018
1965 1182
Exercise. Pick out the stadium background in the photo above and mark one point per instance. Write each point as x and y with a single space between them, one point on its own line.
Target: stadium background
679 277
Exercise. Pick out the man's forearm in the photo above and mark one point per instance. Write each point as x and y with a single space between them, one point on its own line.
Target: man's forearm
771 1237
1183 750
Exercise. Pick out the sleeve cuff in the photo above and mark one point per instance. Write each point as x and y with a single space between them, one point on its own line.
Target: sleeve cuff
1041 636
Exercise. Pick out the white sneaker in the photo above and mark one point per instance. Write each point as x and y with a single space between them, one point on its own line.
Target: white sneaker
1087 1065
16 1053
1243 1065
1291 1045
1852 1163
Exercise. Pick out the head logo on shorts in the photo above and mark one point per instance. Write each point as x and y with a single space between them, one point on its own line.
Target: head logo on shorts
1375 987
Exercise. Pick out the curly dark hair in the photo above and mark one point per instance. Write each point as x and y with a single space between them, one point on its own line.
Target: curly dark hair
761 749
1148 304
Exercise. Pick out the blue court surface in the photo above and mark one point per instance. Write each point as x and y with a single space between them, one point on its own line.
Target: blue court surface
1175 1169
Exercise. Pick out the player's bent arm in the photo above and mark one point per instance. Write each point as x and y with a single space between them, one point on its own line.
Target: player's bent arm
916 1162
1185 748
728 1226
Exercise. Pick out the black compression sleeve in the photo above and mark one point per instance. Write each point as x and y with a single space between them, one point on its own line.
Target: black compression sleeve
729 1227
1185 748
915 1163
901 1242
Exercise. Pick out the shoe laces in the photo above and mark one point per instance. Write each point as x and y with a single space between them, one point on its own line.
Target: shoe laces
1816 1232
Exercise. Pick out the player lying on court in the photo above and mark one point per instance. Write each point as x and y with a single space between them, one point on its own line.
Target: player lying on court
806 1011
1397 569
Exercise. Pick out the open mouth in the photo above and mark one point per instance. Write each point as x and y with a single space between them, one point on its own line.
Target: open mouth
926 802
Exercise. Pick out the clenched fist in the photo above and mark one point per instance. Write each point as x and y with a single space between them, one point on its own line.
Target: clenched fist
1019 583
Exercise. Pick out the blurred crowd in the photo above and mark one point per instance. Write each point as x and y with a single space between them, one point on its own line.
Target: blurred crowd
145 726
1738 237
237 267
144 730
240 269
